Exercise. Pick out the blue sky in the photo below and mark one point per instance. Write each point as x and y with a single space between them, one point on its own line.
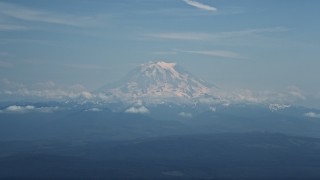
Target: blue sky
261 45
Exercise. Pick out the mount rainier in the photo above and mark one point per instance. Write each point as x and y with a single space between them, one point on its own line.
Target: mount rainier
158 82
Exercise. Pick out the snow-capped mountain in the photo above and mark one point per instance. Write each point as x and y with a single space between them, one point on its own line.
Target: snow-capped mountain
158 82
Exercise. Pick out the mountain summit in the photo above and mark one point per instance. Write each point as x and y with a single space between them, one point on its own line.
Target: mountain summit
158 81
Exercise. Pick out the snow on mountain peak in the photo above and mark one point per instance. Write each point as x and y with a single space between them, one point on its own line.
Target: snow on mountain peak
166 65
159 81
161 68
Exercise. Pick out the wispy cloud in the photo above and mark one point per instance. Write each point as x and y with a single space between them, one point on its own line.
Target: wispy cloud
86 66
217 53
200 5
10 10
189 12
204 36
181 36
165 53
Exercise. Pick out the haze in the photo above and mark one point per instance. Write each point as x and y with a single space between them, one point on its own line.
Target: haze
253 46
160 89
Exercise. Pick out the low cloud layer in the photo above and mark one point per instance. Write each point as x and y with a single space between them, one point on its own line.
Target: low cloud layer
27 108
43 90
277 107
312 115
94 110
290 95
185 114
137 110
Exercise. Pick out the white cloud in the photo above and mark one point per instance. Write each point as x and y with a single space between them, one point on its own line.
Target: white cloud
46 109
217 53
312 115
185 114
137 110
213 109
277 107
23 13
15 108
28 108
94 110
200 5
